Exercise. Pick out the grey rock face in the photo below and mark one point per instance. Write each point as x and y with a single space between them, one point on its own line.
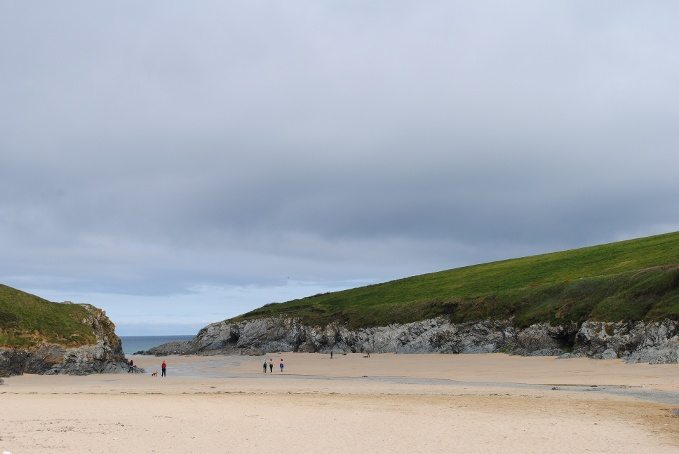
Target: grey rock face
663 354
106 355
655 342
12 362
609 353
544 340
170 348
651 342
284 334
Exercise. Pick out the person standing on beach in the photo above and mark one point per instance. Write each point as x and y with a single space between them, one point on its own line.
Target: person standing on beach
281 365
271 365
330 354
163 368
264 365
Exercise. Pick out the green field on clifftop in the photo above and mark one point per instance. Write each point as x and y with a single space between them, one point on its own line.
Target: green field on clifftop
628 280
27 320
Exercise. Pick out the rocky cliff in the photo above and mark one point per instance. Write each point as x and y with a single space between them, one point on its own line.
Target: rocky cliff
104 355
654 342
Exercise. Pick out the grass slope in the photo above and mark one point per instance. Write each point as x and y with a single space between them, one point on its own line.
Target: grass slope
27 320
628 280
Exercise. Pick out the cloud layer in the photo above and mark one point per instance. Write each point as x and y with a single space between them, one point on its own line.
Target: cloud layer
151 149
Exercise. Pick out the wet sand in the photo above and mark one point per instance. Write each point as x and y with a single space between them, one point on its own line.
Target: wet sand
386 403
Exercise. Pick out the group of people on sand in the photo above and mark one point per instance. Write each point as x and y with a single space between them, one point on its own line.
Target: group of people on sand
269 364
131 368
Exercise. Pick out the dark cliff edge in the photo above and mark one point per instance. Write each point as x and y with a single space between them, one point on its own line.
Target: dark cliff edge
651 342
92 348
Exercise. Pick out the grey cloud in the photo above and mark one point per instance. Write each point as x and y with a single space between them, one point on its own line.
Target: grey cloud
149 147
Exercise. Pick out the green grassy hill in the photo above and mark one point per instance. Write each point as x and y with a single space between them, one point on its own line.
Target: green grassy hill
27 320
628 280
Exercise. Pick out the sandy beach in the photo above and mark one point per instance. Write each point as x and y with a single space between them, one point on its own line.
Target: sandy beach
386 403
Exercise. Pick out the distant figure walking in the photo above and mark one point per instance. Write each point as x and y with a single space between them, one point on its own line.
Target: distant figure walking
264 365
163 367
330 354
130 367
271 365
281 365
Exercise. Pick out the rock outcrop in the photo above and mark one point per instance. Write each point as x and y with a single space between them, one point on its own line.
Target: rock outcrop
105 355
654 342
648 342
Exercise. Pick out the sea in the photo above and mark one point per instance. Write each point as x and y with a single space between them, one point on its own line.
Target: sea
133 344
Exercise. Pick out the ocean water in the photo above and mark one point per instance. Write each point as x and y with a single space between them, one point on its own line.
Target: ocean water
132 344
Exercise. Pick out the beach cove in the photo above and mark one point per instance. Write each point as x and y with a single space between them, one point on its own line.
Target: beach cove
385 403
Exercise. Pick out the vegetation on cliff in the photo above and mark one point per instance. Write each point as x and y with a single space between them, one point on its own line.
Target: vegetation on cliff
628 280
27 320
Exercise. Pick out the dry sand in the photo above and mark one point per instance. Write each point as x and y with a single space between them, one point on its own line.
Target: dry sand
386 403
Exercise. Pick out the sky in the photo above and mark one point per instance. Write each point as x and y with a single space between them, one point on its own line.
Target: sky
179 163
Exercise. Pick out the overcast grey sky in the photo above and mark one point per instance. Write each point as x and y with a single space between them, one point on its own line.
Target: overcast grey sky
177 163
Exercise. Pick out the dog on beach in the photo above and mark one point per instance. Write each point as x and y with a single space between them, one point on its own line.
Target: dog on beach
155 374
